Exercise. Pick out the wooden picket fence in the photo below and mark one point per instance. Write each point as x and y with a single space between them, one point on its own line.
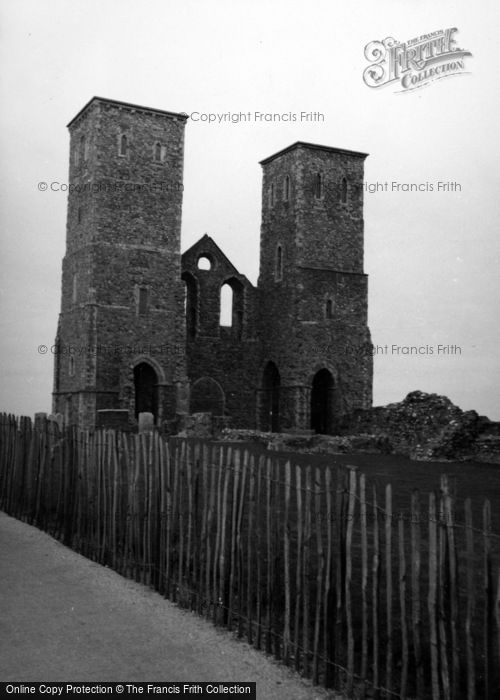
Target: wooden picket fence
307 561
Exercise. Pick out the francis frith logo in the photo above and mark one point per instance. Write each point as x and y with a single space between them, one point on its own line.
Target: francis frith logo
414 63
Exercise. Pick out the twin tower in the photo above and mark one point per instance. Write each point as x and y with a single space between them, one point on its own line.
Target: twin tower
142 327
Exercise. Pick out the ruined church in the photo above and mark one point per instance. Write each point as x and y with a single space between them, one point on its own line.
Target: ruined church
140 323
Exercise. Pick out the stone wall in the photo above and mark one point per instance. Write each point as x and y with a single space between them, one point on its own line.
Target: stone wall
123 244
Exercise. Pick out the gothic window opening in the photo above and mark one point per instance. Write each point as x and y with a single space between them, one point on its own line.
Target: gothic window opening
226 305
75 288
71 368
231 307
158 152
343 191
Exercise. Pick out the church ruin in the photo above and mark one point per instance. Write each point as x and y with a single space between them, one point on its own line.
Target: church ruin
140 324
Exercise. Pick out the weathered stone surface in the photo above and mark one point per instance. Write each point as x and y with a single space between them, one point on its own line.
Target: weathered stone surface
40 419
488 449
314 444
308 312
425 427
113 419
138 322
146 422
122 294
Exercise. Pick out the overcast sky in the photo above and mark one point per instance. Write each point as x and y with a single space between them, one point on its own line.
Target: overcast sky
432 257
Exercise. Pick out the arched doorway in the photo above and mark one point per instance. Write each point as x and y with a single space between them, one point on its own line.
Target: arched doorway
207 396
146 390
271 382
322 402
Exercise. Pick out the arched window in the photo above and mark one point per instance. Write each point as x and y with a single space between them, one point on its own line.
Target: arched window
286 188
207 396
318 186
226 305
329 308
278 272
75 288
83 148
158 151
71 367
123 145
142 301
231 306
343 191
204 263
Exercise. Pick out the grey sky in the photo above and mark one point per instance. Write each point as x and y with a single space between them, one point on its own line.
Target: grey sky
432 257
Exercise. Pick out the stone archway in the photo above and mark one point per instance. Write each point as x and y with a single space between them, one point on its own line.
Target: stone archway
146 390
322 402
207 396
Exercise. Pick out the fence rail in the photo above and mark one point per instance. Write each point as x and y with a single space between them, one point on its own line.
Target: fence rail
308 562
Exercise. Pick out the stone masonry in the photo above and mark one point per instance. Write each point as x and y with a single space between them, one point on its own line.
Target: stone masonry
140 325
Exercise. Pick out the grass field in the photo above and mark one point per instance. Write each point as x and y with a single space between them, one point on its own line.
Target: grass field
473 480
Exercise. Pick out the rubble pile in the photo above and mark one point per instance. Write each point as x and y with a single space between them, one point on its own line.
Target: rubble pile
430 427
425 427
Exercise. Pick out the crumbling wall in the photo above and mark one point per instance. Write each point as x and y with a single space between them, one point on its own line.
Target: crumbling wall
428 427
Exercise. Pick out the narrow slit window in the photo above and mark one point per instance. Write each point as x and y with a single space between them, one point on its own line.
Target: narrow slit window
343 191
75 288
71 368
318 186
278 274
286 188
123 145
329 309
142 302
83 148
272 195
158 152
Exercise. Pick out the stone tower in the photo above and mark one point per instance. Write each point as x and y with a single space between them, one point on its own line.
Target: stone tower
121 331
316 354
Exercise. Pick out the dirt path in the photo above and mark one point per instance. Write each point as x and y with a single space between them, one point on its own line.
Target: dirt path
65 618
